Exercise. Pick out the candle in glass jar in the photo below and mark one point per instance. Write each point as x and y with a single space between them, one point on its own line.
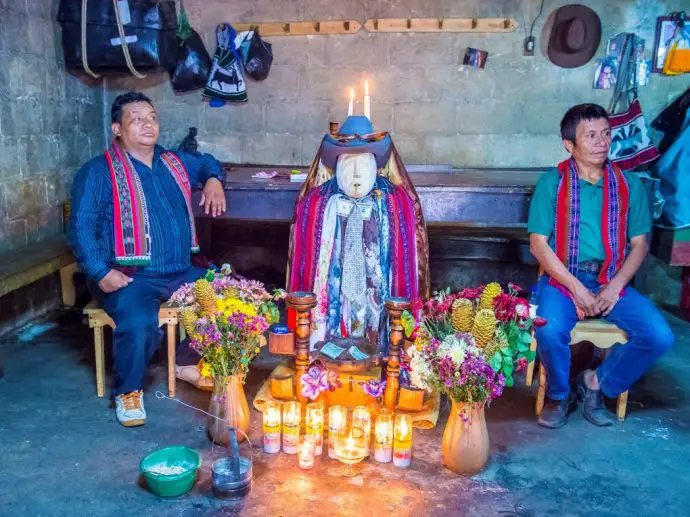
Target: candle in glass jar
271 427
383 437
314 425
402 445
362 418
337 420
291 421
306 452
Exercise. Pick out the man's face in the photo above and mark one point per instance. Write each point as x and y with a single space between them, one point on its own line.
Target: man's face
592 142
356 174
139 127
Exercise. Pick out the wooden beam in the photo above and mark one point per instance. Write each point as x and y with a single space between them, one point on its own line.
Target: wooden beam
302 28
441 25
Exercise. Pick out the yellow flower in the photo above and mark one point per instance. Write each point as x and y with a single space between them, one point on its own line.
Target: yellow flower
257 350
230 306
206 370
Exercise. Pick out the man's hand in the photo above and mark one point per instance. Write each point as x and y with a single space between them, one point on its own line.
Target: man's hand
114 281
608 297
213 197
585 300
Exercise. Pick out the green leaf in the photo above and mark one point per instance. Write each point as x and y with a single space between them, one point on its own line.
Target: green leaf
508 361
496 361
530 355
509 380
522 347
507 352
507 369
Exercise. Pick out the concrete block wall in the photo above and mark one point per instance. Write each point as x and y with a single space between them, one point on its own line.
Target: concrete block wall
504 116
50 123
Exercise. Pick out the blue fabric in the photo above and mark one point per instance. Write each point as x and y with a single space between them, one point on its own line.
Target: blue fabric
355 125
648 338
672 168
134 309
91 221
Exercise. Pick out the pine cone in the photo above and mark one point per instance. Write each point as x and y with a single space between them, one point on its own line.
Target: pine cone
484 327
206 297
495 345
462 315
490 292
189 318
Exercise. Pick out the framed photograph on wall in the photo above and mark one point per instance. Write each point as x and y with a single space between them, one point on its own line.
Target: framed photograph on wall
665 28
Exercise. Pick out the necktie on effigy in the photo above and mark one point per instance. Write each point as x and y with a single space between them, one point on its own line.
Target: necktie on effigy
354 281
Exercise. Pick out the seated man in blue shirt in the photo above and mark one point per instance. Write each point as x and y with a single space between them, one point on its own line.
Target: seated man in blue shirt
132 231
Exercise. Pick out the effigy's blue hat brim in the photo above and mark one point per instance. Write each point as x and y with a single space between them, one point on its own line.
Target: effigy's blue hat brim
332 148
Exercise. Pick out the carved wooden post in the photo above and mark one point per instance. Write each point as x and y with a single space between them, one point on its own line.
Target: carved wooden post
394 307
303 303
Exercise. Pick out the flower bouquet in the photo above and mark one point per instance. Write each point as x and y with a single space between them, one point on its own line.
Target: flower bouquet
225 317
499 322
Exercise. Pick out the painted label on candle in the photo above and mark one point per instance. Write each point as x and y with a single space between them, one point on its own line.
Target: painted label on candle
272 440
317 433
402 455
306 461
290 439
383 453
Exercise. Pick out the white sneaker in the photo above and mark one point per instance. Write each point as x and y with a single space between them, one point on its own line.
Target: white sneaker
129 408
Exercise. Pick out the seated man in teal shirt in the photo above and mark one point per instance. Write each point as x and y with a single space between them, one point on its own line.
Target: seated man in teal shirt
589 226
132 231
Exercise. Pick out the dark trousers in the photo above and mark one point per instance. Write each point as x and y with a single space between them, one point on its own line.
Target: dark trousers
649 336
134 309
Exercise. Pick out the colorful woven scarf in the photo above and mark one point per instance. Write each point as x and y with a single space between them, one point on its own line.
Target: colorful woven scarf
614 218
131 218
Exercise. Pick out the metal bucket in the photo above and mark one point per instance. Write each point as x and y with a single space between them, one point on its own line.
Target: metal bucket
231 476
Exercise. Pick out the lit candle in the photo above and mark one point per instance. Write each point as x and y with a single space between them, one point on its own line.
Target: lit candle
383 437
306 452
291 421
367 101
402 446
271 427
337 419
351 106
314 425
362 418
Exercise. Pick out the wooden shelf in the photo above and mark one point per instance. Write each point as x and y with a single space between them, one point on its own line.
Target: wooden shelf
382 25
303 28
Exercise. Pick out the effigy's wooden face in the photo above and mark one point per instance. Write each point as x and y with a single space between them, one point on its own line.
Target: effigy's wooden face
356 174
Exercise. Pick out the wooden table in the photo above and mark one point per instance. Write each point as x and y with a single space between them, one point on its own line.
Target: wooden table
673 248
459 198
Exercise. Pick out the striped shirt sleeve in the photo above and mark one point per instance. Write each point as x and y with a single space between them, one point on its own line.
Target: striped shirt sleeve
85 236
200 167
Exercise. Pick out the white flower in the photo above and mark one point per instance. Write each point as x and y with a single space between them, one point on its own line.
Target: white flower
533 311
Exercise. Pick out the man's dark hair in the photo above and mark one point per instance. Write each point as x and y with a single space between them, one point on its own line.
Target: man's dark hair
122 100
577 114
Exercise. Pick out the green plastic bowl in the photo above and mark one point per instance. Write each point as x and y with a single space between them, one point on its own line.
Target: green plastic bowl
171 485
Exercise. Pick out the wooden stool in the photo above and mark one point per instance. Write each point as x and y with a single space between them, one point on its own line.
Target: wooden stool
601 334
98 318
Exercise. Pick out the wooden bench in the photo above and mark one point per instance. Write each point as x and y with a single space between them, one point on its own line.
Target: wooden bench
24 266
98 318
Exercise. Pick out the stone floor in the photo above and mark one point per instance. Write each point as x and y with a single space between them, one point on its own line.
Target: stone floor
63 453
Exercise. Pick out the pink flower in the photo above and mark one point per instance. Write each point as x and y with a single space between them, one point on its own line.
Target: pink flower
539 322
522 364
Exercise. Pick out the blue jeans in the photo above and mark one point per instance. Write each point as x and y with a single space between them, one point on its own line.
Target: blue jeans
649 336
134 309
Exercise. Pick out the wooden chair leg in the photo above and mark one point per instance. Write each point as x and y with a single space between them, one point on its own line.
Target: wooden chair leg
529 375
69 292
100 360
171 359
622 405
541 391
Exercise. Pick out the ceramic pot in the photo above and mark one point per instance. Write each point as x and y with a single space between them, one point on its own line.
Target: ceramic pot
228 403
465 446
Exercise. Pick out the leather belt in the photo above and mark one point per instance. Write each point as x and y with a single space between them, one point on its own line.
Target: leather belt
589 267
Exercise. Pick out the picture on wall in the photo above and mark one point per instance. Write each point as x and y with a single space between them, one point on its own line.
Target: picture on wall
665 29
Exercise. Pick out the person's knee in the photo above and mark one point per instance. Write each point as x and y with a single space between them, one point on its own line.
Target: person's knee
137 322
660 338
552 334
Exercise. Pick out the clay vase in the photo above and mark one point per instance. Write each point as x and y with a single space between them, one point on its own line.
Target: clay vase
229 403
465 446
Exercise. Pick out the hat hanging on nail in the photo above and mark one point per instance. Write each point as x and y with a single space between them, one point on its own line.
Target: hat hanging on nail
571 36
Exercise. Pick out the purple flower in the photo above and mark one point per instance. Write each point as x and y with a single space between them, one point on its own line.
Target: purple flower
314 382
374 388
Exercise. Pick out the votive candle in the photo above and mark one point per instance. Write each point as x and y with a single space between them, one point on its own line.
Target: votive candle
351 105
305 456
337 420
402 445
291 422
361 417
314 425
383 437
367 101
271 427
